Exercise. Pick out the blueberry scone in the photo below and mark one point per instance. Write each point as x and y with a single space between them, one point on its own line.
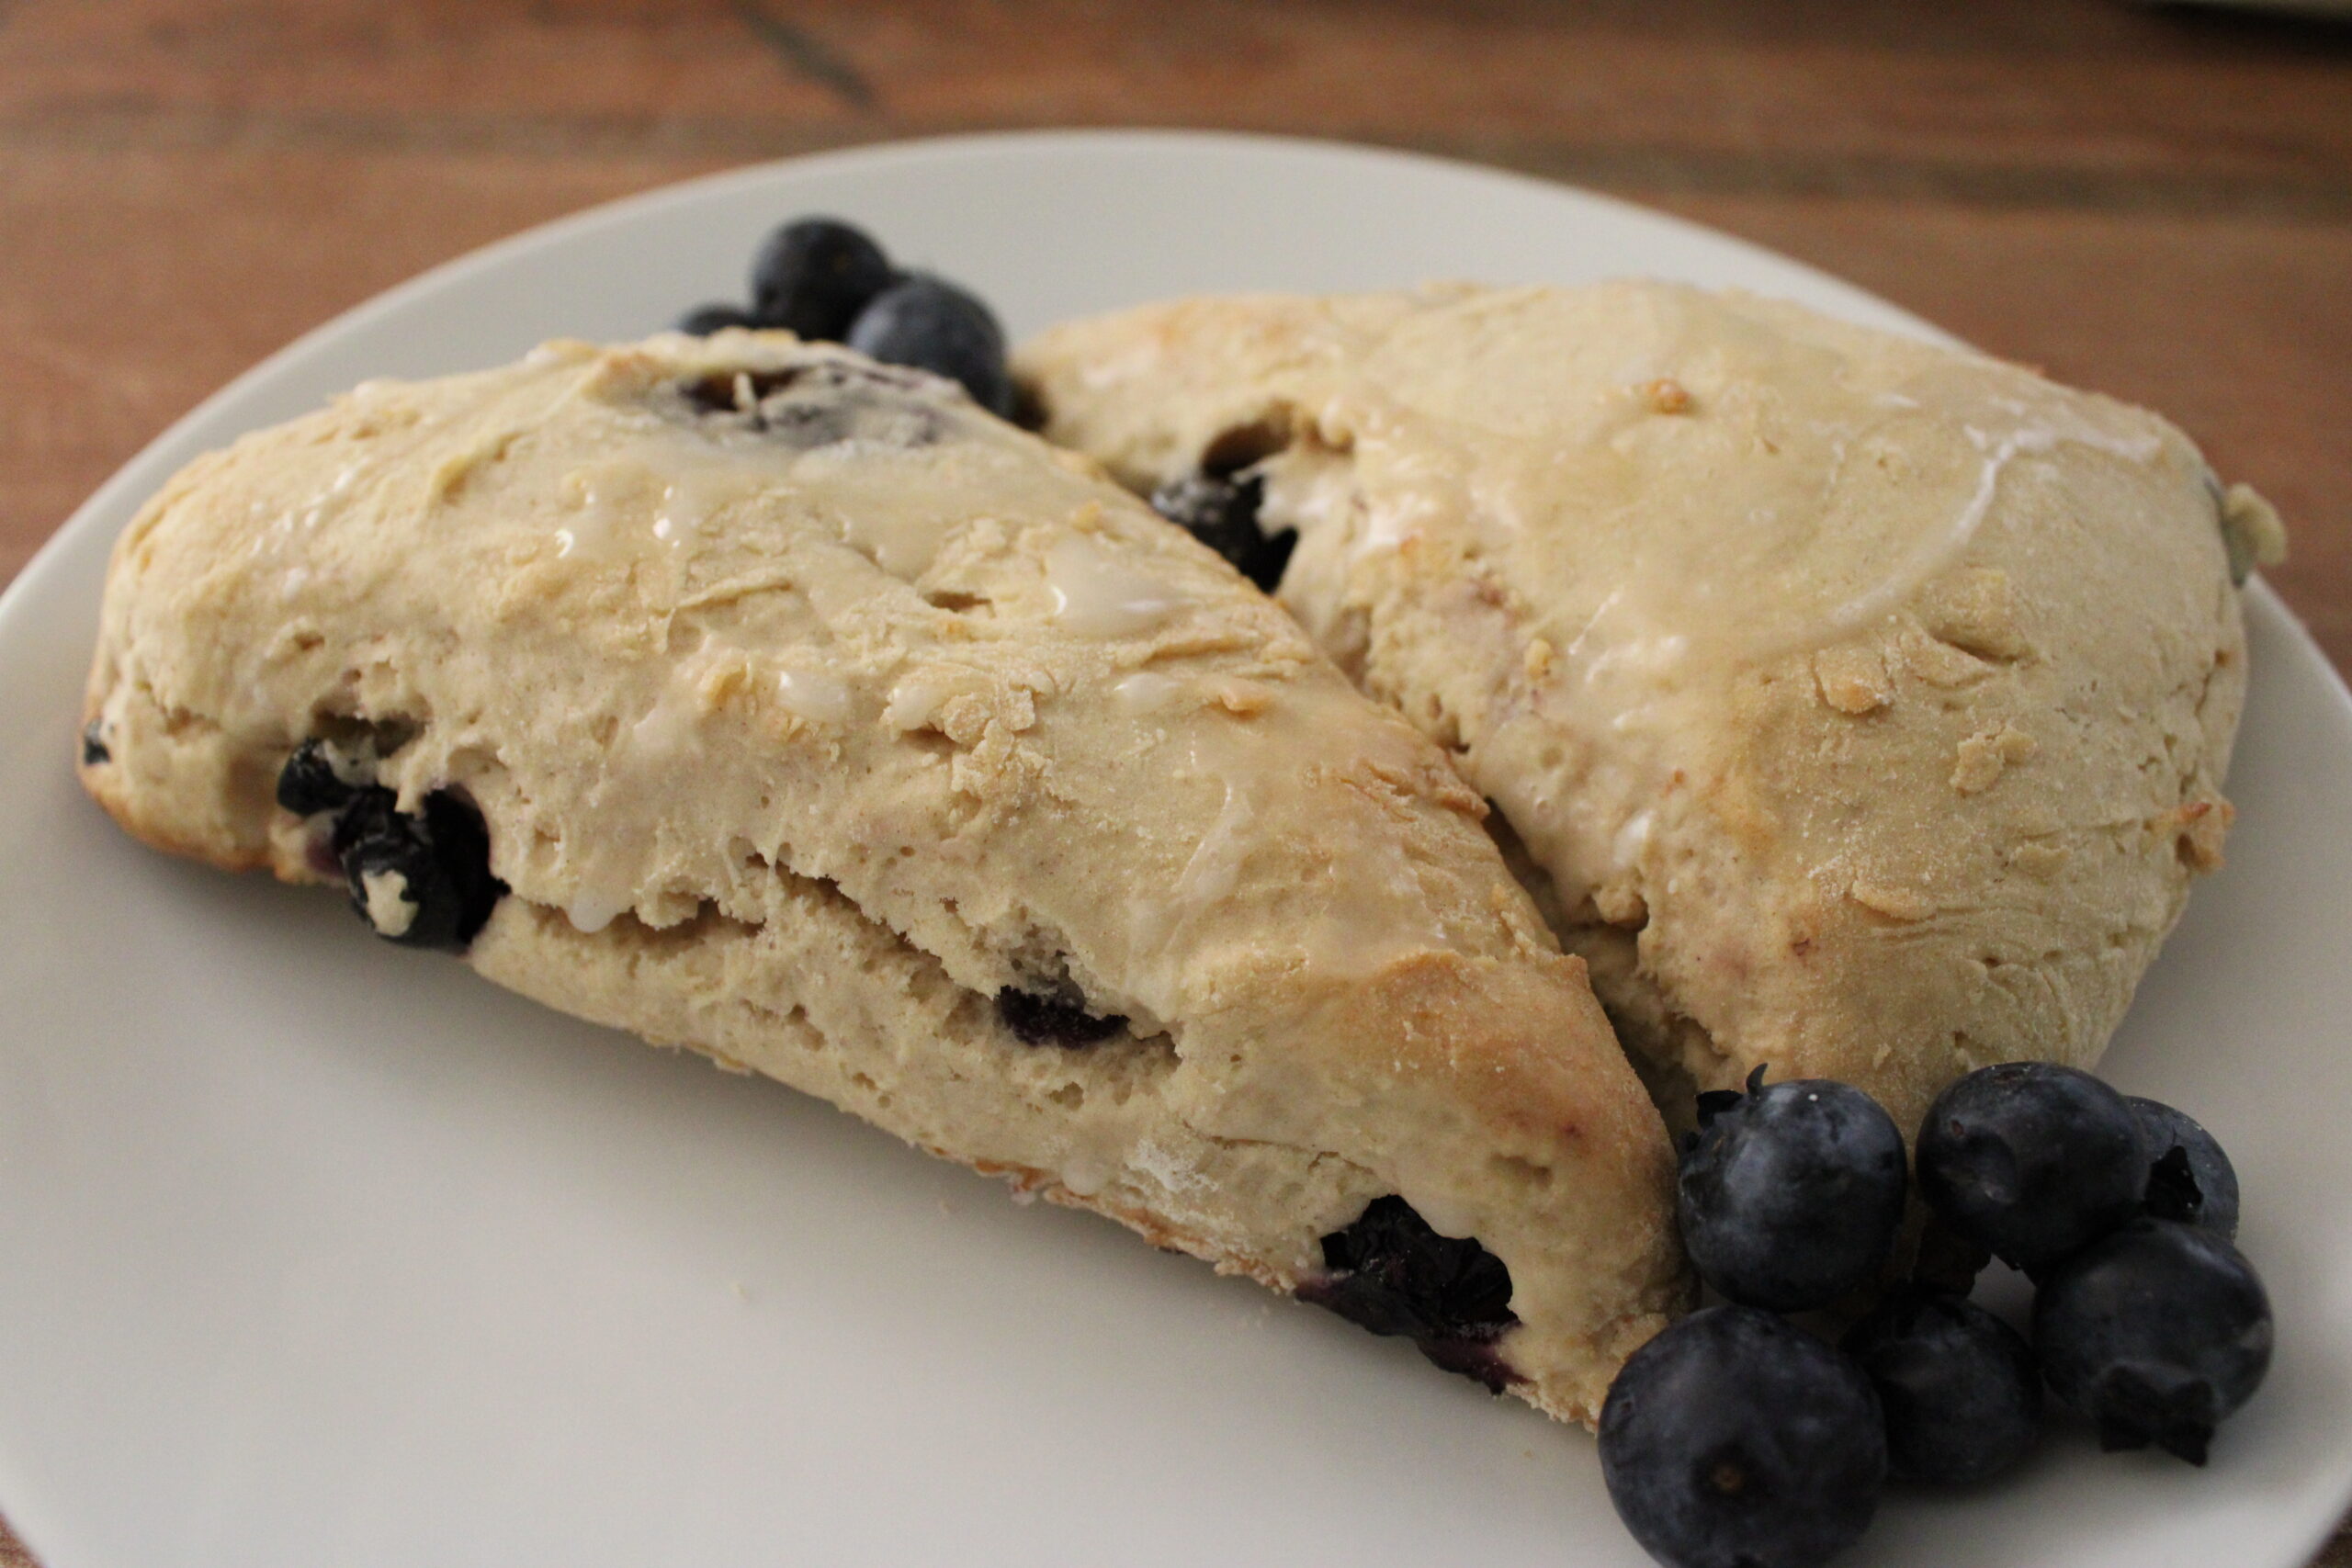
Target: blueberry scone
1855 706
756 698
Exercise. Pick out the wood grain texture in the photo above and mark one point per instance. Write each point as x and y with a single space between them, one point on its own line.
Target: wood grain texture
2156 204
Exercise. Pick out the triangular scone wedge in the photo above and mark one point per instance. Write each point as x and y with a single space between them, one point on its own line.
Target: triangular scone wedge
821 722
1862 707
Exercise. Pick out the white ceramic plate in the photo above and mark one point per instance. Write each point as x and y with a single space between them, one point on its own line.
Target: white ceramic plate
317 1251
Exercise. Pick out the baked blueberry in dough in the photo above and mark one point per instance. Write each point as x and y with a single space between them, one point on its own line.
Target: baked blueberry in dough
757 698
1856 706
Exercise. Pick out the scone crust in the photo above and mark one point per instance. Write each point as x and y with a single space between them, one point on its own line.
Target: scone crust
1929 795
803 726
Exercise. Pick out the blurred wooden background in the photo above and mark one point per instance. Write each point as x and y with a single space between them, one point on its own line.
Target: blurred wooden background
2154 202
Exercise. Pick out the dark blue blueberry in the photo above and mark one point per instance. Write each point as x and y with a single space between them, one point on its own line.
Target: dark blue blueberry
1790 1195
2032 1160
2201 1186
309 782
94 744
1054 1018
423 880
705 320
1222 513
1946 1261
1736 1440
1390 1272
2157 1333
813 276
934 325
1961 1392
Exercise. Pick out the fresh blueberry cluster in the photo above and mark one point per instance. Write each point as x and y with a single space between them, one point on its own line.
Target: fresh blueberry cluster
1739 1439
827 281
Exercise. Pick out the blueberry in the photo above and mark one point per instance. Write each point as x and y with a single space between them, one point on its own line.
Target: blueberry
1946 1261
1390 1272
315 779
1736 1440
421 881
817 404
935 326
1054 1018
814 274
2032 1160
94 744
1961 1393
705 320
1222 513
1790 1195
2157 1333
2209 1196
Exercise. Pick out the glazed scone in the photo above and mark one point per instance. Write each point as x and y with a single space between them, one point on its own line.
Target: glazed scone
815 720
1858 707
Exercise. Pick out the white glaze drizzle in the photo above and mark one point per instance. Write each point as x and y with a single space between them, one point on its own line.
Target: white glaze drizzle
1095 592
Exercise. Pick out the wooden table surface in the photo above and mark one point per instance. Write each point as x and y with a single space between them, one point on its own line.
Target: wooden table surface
2157 203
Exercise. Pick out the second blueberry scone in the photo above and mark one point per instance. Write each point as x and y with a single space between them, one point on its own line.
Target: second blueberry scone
756 698
1860 706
